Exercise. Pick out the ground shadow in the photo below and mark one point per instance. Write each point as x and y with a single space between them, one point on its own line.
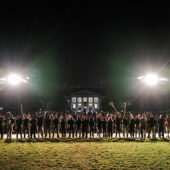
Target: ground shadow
72 140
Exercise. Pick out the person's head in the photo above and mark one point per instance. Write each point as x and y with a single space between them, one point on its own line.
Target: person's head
160 116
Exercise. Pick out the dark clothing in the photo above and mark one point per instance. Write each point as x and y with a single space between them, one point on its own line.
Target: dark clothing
104 128
161 122
78 123
85 127
118 121
151 122
131 127
137 123
25 128
63 128
91 123
33 127
40 121
71 123
99 126
143 128
110 122
55 127
125 121
47 127
19 127
1 128
78 127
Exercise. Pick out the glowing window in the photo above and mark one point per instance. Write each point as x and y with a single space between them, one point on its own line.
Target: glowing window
74 106
90 99
79 106
96 106
96 99
79 99
84 99
90 106
74 99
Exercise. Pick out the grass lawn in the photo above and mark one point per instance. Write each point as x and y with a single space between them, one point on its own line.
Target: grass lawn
84 154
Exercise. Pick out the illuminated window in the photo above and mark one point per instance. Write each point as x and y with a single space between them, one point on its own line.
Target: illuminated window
74 99
79 106
90 106
90 99
96 106
74 106
96 99
79 99
84 99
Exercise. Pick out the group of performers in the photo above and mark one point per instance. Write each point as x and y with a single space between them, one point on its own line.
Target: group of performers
84 125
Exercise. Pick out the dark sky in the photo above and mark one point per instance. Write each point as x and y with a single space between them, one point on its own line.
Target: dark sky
79 44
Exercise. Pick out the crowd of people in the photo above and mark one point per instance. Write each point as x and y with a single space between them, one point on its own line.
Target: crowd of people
82 125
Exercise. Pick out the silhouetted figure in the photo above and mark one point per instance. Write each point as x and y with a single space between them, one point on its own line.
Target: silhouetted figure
104 127
19 126
110 124
71 124
161 123
91 123
78 127
33 123
63 127
40 124
56 126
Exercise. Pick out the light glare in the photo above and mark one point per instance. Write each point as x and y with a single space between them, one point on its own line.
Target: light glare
151 79
14 79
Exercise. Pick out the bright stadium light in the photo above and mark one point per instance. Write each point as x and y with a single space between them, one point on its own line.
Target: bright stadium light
13 79
151 79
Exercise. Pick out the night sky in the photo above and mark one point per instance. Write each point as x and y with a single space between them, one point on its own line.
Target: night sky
79 44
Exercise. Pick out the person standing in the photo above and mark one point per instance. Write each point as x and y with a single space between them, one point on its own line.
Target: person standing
125 126
152 126
131 126
99 125
85 127
71 124
118 123
1 126
104 127
40 123
91 123
33 123
109 127
168 125
78 126
26 126
19 126
143 124
137 126
63 127
161 124
56 126
10 125
48 126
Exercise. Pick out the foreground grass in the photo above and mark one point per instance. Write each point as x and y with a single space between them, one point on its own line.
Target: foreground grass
84 154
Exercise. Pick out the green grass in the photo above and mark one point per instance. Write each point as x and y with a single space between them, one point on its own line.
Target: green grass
85 154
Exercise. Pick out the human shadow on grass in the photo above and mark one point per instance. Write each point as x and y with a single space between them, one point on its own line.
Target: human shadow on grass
74 140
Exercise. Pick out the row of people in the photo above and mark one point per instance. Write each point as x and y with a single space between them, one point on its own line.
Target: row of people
143 125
